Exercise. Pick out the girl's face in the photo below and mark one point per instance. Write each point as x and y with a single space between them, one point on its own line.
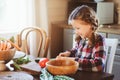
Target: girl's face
82 28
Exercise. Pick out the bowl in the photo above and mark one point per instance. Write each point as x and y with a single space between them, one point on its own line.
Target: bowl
62 67
7 55
98 0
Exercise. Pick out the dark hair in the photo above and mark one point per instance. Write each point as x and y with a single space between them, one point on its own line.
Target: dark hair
88 15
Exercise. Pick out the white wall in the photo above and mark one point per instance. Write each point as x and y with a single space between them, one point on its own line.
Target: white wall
48 11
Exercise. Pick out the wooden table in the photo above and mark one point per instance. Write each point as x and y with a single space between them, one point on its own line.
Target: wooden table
82 75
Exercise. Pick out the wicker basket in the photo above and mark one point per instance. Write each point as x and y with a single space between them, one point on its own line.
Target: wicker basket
7 55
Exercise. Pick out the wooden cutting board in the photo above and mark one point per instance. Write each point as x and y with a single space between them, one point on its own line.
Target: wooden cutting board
15 76
32 68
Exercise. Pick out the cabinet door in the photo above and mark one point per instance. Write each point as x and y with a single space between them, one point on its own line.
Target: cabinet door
68 39
114 36
116 68
103 34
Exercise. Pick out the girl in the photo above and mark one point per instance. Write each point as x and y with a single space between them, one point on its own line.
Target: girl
88 50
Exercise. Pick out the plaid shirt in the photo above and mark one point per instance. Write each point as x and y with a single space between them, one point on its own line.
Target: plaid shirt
90 59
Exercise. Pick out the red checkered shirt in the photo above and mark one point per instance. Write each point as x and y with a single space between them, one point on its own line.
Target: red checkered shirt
89 58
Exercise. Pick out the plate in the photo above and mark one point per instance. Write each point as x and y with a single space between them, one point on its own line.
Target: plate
15 76
19 54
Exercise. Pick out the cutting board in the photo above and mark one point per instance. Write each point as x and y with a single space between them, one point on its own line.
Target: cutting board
15 76
32 68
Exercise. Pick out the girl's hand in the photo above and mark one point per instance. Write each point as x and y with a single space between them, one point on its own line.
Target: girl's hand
60 58
64 54
65 58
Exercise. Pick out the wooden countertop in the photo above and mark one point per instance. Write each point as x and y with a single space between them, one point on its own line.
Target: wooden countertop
63 24
111 29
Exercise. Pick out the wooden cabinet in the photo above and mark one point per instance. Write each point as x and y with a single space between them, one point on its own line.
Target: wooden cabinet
57 37
68 39
56 40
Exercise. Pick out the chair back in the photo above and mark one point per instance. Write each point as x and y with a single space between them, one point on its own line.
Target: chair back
42 45
110 48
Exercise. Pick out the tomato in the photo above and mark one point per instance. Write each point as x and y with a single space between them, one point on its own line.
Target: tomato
42 62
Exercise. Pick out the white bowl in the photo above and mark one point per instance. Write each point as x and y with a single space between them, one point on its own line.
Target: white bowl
98 0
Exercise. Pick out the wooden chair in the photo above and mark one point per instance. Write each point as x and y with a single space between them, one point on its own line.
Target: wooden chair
110 48
43 44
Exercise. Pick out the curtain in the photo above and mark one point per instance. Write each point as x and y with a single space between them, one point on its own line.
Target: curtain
16 15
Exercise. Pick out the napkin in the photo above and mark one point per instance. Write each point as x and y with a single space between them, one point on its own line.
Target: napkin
47 76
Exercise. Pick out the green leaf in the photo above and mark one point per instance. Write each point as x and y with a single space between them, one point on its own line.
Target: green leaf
12 39
21 60
17 66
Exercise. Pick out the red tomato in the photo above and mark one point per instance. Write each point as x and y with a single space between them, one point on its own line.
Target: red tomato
42 62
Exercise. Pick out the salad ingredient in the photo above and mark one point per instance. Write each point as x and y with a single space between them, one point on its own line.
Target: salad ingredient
21 60
42 62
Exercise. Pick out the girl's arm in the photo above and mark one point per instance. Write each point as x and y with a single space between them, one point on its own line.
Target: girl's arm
97 62
70 53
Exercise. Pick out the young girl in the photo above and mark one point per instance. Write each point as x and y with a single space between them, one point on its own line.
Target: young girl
88 50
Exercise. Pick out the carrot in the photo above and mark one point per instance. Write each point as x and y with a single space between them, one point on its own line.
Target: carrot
1 45
4 45
8 46
16 46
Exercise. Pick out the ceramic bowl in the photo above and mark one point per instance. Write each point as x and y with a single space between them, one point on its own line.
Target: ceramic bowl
98 0
62 67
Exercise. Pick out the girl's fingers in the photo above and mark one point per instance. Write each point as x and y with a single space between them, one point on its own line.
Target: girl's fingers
60 58
62 54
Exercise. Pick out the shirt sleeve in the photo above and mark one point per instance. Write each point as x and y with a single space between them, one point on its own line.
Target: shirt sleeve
73 51
96 63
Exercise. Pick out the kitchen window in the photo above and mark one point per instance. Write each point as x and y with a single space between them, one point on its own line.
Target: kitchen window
15 15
